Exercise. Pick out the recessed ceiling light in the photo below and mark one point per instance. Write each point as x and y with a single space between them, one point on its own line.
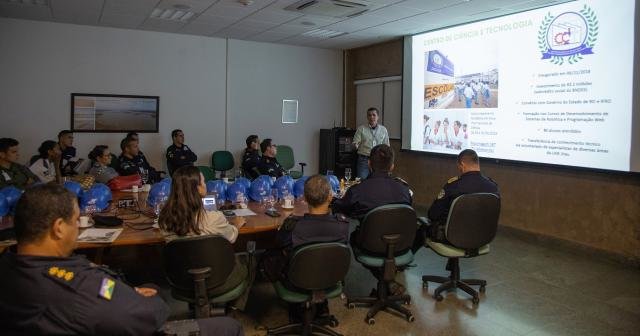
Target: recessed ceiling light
322 33
173 14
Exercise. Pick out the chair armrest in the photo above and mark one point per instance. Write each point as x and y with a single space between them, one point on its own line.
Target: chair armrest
391 238
200 273
424 220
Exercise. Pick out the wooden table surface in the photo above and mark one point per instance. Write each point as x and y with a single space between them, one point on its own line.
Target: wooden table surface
137 228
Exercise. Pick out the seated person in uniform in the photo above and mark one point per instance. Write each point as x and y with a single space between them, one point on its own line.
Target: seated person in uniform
48 158
184 216
268 164
316 226
101 158
251 157
179 155
53 291
132 162
470 181
69 163
11 172
377 190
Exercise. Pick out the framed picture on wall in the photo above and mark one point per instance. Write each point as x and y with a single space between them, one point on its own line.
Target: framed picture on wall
106 113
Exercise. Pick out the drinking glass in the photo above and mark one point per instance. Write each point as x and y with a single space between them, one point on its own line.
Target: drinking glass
270 203
347 174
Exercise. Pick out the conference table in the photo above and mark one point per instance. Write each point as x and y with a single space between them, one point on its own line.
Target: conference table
137 224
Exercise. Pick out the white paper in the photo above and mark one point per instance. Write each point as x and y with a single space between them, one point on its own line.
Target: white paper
99 235
244 212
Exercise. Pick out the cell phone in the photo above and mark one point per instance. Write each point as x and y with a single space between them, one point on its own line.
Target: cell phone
209 203
272 213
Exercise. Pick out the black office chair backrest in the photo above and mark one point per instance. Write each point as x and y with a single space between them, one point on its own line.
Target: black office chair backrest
183 254
319 266
385 220
473 220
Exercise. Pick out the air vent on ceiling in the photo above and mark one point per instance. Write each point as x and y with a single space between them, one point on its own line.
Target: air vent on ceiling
332 8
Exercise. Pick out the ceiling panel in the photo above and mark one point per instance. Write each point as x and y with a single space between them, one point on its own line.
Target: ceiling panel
77 11
122 20
27 12
265 20
270 36
128 7
274 15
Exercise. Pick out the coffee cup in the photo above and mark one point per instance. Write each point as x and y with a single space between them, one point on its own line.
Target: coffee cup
225 179
84 221
288 203
134 188
146 187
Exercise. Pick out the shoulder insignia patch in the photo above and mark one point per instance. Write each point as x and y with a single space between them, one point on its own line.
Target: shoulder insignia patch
60 273
106 288
441 194
453 179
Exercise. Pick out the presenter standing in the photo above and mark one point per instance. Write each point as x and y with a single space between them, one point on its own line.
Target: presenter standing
368 136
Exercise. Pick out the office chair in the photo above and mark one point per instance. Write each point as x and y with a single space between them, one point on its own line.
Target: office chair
382 245
203 270
222 161
284 155
208 173
471 225
315 273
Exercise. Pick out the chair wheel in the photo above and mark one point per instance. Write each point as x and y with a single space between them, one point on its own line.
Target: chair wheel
351 305
370 321
483 289
438 297
410 318
475 300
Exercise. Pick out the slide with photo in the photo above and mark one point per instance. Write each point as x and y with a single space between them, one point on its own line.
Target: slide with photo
552 85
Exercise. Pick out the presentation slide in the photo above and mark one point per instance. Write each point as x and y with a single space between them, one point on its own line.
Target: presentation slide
552 85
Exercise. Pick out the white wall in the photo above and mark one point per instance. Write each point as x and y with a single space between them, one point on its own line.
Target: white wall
41 63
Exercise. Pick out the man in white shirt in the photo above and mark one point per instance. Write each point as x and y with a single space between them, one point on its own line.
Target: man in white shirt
468 95
366 137
457 136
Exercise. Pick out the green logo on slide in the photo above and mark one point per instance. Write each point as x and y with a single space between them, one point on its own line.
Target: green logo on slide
568 36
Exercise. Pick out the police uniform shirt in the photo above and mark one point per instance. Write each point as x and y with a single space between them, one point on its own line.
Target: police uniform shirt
467 183
270 166
250 162
377 190
66 161
179 156
315 229
54 296
16 175
134 165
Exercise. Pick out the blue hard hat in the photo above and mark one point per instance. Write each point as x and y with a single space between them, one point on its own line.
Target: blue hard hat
159 192
99 195
284 184
11 195
259 188
245 182
333 181
74 187
234 189
298 186
219 187
4 206
267 179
